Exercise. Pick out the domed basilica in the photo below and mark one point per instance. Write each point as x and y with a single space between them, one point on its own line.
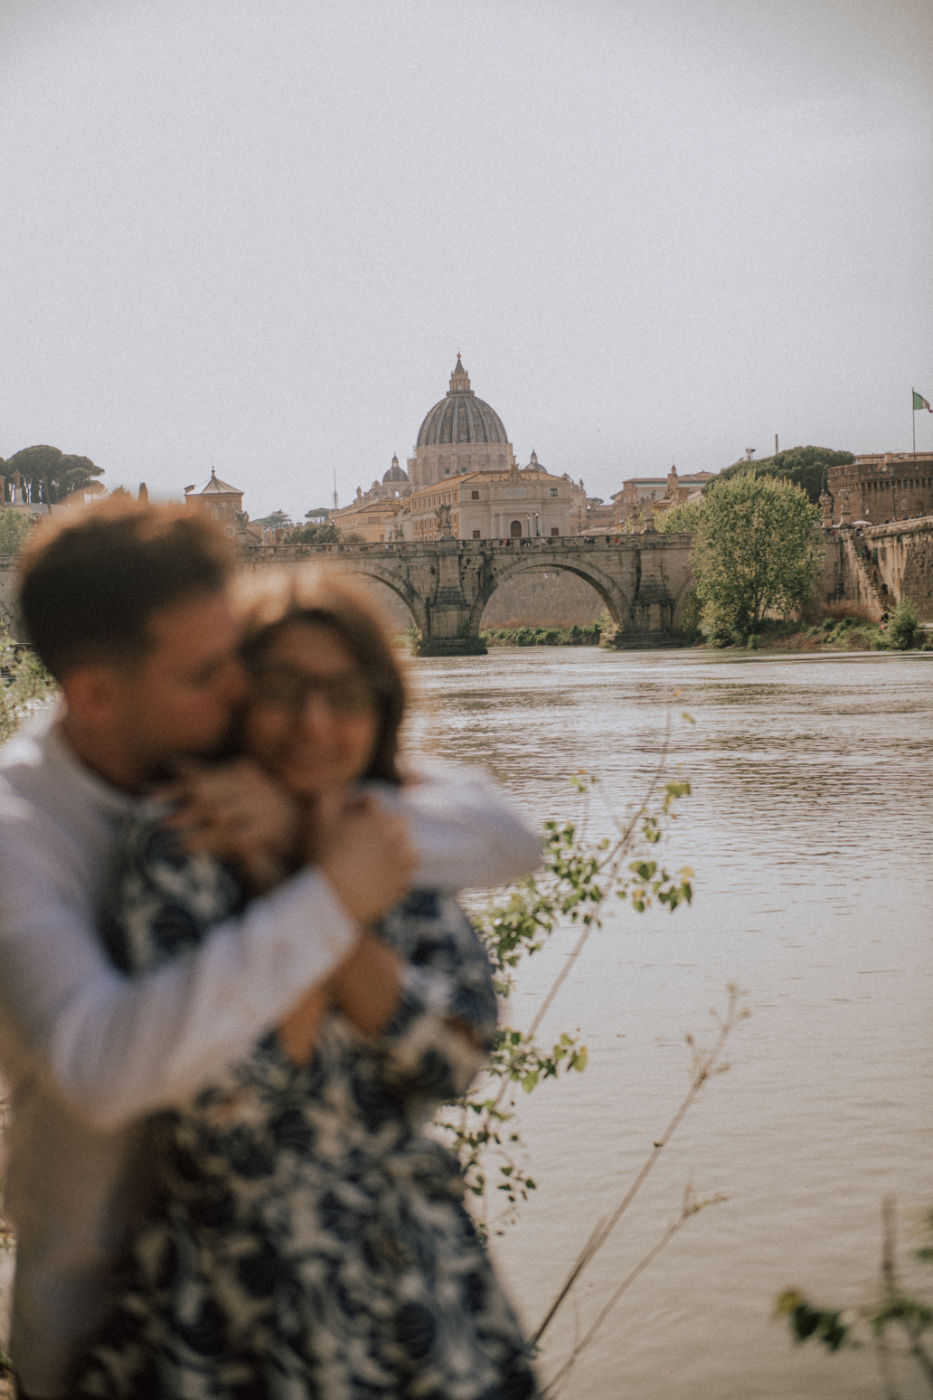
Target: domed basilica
464 481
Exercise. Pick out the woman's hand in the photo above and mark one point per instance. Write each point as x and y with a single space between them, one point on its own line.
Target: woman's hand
364 851
299 1031
236 812
365 987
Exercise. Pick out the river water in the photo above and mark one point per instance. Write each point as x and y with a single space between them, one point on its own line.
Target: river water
810 832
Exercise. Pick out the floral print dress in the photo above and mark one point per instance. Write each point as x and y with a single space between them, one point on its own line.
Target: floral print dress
308 1238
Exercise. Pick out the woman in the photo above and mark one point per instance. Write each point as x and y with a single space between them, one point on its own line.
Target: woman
308 1238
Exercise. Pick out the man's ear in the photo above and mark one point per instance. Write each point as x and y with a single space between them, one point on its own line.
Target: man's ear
91 691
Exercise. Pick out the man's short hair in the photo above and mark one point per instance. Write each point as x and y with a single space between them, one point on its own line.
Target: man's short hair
92 577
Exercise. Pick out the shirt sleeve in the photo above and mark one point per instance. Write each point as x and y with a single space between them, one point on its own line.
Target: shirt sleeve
466 835
116 1047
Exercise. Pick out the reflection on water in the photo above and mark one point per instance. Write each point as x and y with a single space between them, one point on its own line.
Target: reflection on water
810 830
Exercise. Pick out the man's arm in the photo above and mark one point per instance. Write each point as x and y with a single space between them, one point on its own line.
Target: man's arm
464 832
115 1047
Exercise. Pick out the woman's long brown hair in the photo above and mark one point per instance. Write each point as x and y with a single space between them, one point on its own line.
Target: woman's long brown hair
273 599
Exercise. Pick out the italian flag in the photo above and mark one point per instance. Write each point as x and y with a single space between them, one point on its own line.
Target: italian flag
921 402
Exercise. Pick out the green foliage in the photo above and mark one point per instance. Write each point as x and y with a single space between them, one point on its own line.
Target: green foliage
316 532
802 466
686 516
24 683
826 1325
14 527
904 629
755 553
277 520
897 1323
52 475
577 635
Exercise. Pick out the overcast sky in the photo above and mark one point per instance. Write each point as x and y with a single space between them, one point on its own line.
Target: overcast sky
253 234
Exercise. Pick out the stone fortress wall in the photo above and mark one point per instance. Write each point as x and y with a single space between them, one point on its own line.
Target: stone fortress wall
875 566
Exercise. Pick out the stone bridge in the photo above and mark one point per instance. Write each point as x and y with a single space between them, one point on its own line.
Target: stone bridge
446 583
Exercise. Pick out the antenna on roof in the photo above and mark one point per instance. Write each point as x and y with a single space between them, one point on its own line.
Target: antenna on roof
335 488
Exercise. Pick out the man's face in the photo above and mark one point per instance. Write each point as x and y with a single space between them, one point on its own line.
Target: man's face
181 698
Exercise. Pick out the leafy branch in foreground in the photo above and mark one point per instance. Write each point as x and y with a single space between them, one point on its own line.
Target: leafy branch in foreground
579 876
896 1322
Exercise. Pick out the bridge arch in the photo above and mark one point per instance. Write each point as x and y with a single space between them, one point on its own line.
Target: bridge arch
398 584
609 590
383 571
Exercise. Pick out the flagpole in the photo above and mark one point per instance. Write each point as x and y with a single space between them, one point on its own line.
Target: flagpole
913 418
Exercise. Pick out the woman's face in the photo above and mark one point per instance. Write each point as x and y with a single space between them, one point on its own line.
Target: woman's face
312 719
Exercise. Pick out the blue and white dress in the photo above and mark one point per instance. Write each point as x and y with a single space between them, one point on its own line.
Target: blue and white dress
308 1237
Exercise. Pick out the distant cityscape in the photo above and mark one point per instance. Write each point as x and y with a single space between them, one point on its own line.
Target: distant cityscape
464 478
464 481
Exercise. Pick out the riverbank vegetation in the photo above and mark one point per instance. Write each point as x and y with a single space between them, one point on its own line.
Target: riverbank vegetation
836 627
585 634
831 627
24 683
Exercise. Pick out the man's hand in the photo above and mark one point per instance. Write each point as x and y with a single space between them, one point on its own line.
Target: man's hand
236 812
366 855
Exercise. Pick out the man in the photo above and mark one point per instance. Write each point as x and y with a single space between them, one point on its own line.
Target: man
129 609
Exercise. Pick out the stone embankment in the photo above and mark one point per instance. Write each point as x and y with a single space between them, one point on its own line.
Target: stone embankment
875 566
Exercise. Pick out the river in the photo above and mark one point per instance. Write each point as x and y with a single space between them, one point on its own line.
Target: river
810 832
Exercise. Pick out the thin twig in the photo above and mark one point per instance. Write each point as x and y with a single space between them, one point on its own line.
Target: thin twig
550 1388
882 1349
704 1067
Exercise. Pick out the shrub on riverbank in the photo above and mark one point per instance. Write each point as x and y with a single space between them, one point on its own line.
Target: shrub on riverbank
904 630
577 635
837 627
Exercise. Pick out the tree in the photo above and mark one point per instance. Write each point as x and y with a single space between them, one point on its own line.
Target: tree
14 527
803 466
278 520
51 476
904 629
683 517
316 532
755 553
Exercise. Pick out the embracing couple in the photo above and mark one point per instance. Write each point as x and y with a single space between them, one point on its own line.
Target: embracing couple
234 987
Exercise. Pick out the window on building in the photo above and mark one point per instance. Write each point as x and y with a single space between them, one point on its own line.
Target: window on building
477 535
555 530
553 490
474 495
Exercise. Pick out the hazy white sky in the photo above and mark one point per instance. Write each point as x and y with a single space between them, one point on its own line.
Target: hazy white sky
253 234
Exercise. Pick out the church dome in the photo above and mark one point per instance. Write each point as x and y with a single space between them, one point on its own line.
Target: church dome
461 417
395 473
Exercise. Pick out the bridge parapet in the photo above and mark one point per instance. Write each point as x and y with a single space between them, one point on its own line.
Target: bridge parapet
447 583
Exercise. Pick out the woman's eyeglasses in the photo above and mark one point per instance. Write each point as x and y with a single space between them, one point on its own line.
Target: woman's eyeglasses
290 689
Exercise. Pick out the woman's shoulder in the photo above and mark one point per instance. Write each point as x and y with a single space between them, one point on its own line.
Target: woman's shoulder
165 897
